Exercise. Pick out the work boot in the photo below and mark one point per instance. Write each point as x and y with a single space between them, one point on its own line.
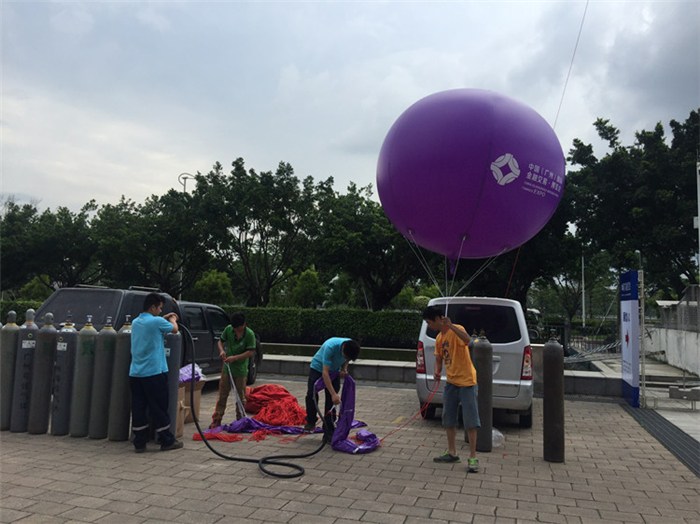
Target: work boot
175 444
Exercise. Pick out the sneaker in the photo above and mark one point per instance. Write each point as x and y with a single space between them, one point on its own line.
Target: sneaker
473 465
446 457
140 450
309 428
175 444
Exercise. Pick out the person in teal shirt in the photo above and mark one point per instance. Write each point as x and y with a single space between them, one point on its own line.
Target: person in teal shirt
333 356
148 374
236 346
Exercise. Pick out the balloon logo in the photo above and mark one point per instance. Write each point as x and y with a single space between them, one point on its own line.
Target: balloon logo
469 173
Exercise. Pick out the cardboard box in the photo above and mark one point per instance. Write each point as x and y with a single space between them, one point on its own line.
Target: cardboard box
197 400
182 412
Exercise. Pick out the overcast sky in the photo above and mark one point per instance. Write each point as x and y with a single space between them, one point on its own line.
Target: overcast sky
102 99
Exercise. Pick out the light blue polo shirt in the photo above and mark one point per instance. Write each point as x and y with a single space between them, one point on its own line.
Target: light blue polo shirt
329 354
147 345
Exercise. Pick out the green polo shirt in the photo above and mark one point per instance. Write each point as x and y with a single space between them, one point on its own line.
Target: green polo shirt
236 346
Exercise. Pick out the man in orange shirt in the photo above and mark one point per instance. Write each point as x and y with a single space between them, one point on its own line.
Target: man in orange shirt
451 348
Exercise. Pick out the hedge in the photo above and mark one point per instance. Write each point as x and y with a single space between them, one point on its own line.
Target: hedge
389 329
18 306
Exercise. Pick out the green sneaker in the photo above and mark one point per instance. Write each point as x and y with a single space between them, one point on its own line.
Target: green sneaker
446 458
473 465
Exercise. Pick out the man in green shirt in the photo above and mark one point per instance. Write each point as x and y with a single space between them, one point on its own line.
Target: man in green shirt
236 346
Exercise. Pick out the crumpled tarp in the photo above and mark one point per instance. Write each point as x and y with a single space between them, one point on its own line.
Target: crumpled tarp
340 441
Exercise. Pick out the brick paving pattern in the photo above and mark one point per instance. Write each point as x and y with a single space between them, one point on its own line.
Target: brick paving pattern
614 472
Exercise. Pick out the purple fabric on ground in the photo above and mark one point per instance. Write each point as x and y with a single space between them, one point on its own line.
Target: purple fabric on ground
340 441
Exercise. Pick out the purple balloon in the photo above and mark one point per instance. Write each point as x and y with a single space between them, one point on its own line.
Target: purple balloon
469 173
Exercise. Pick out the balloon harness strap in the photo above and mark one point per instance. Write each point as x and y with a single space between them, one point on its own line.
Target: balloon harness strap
272 460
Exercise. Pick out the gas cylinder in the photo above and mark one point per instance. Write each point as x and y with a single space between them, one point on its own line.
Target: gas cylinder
42 373
66 346
26 344
82 380
120 397
102 381
482 357
173 353
9 335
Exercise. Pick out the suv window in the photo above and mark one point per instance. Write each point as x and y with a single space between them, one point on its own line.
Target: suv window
498 323
195 318
218 320
77 304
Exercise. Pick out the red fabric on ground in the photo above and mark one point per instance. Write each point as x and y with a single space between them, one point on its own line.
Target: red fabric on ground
221 435
257 397
283 412
274 405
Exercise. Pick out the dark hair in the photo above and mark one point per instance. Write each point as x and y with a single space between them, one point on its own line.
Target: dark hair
152 299
432 313
351 349
237 319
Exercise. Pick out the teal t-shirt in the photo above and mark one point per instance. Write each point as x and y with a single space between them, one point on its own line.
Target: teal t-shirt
236 346
329 354
147 345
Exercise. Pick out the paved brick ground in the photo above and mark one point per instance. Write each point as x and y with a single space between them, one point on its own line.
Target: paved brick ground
614 472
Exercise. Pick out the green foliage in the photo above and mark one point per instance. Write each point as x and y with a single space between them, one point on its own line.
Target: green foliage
36 289
259 223
421 302
635 200
214 288
429 290
405 299
344 292
387 328
308 291
359 240
18 306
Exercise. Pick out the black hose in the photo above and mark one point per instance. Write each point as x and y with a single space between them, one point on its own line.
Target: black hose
273 460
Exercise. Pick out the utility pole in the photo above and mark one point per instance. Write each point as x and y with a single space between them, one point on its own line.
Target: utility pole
583 292
182 178
697 218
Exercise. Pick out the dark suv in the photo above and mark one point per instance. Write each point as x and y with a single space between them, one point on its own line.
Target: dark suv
204 321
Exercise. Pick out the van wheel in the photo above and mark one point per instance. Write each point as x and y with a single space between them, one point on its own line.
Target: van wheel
429 412
526 418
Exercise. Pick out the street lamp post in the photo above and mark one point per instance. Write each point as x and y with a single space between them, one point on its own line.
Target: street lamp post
183 178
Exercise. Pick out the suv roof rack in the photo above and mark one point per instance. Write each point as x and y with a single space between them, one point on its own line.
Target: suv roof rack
91 286
144 288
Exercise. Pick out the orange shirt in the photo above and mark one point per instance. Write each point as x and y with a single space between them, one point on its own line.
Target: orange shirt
456 358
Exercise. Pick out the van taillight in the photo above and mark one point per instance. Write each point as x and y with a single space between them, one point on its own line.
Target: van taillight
527 364
420 359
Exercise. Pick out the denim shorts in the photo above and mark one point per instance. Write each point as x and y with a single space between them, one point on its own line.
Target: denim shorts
452 397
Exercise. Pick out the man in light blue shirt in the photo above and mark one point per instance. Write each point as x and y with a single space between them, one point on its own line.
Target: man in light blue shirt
333 356
148 374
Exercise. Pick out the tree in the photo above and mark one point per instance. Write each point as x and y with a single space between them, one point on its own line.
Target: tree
308 291
36 289
635 200
259 224
159 243
214 287
117 231
18 235
66 247
359 240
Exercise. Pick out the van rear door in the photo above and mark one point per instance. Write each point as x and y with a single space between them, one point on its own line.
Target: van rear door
499 323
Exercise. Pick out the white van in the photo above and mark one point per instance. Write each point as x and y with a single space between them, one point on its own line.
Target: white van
502 321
